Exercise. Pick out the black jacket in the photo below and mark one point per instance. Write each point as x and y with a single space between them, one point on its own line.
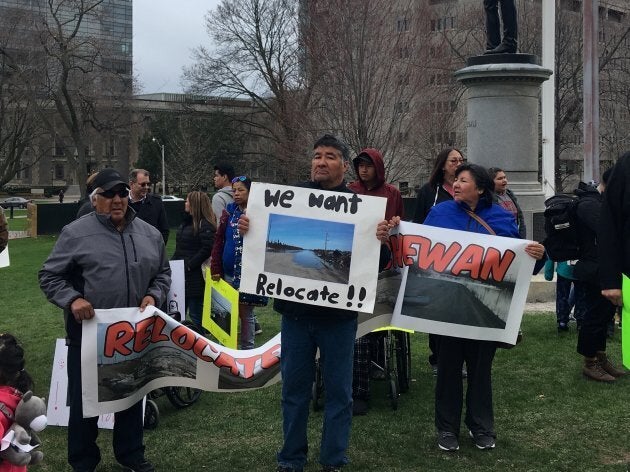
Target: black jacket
614 226
193 249
588 211
151 209
428 197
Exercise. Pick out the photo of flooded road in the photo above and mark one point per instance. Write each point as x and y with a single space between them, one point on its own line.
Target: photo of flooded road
309 248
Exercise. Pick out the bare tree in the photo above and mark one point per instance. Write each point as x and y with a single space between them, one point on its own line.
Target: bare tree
19 126
258 56
81 74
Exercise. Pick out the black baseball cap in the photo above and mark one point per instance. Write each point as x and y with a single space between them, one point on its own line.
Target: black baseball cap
108 179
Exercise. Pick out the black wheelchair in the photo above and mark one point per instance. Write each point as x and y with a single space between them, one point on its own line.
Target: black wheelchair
391 362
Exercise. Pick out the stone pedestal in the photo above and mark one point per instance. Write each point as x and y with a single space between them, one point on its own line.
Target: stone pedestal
503 125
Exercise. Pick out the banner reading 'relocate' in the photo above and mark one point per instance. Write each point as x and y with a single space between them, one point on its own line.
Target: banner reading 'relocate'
125 354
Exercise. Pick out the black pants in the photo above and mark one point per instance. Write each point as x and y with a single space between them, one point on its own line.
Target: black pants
493 25
449 390
598 312
83 453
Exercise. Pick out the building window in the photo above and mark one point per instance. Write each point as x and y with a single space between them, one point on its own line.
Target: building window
443 24
402 24
403 52
59 172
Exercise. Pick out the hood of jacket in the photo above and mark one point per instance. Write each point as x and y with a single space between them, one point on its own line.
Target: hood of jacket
377 159
586 190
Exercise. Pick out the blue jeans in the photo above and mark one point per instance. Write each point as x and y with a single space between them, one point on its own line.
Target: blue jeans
300 339
194 307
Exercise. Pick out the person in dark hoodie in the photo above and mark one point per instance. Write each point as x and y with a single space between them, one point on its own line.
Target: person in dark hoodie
598 311
370 171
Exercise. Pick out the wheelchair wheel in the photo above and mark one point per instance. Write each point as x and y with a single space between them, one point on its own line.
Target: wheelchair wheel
391 368
403 361
182 397
151 415
318 389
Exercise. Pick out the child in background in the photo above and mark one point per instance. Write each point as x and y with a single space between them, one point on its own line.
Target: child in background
226 258
14 381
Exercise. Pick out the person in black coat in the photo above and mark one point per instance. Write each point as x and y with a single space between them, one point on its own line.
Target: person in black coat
598 311
614 231
147 206
193 244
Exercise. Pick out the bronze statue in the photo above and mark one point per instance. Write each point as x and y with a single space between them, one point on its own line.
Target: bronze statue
494 43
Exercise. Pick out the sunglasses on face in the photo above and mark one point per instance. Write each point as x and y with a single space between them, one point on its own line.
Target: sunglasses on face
122 193
240 178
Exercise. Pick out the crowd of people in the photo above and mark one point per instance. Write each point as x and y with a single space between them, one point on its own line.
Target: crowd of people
128 226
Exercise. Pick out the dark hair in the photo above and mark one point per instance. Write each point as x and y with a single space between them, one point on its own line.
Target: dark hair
493 171
12 361
437 174
482 179
334 142
606 175
225 169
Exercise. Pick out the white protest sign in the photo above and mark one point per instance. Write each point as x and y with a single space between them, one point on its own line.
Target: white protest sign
312 246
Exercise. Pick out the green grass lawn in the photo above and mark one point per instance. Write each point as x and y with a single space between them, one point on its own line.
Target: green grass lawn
19 222
548 418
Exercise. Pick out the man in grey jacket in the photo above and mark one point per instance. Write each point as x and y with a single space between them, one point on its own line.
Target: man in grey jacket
106 259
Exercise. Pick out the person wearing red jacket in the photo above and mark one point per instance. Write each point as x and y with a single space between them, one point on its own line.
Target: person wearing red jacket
370 171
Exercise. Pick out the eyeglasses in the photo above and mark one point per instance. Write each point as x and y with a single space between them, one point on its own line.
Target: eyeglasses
123 193
240 178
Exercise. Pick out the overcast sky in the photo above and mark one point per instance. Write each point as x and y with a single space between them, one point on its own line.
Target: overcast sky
164 34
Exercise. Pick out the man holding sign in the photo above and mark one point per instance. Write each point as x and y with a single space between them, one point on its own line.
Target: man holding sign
307 328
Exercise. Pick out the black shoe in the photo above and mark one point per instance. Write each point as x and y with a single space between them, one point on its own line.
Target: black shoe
447 441
142 465
502 49
483 441
434 369
563 327
359 407
257 328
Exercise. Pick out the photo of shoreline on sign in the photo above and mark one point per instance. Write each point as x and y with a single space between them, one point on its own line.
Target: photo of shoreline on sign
461 284
309 248
312 246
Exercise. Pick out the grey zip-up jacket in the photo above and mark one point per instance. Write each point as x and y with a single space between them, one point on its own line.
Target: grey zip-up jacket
110 269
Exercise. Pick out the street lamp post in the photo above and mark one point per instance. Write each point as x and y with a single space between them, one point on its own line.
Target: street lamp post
163 168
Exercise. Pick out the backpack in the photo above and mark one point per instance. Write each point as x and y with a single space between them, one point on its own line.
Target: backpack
561 228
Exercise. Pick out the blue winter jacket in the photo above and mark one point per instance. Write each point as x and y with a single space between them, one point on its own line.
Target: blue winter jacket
453 215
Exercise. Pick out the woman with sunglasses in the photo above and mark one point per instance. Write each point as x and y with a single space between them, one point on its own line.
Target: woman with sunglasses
226 258
438 189
193 245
